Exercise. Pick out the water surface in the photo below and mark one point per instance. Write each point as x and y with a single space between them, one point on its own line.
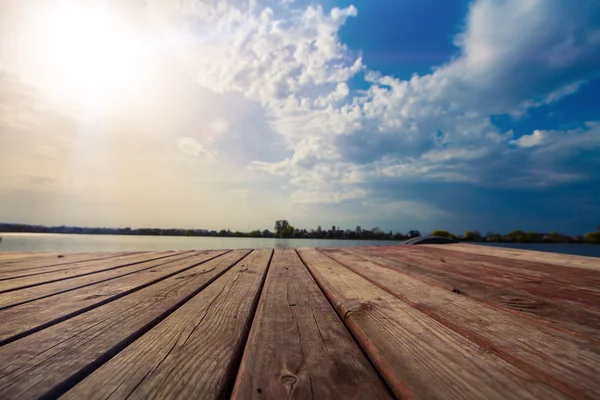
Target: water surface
68 243
64 243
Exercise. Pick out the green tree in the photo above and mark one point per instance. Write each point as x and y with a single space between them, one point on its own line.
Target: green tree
592 237
255 233
281 227
469 236
287 232
556 237
441 233
517 236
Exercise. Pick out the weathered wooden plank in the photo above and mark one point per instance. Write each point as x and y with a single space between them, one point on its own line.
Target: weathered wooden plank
14 272
49 274
568 364
47 260
114 269
51 361
580 274
193 353
10 256
298 348
524 270
566 260
582 322
29 317
563 285
418 356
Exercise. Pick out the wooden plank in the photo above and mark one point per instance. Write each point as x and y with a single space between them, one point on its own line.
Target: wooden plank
13 255
47 261
193 353
13 272
565 260
24 319
50 274
581 289
122 267
572 277
565 362
417 356
298 348
581 322
51 361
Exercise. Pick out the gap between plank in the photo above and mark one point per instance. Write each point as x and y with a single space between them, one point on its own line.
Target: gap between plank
358 344
473 337
100 281
64 387
477 298
87 273
99 304
232 374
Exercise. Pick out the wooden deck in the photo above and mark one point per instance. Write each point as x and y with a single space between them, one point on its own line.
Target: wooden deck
407 322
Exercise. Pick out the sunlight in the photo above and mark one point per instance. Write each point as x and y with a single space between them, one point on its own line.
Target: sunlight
88 54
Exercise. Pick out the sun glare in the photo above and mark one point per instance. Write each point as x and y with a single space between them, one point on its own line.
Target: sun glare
88 54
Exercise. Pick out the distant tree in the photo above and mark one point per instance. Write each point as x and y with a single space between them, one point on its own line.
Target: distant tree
280 227
358 230
287 232
592 237
377 231
469 236
517 236
441 233
266 233
255 233
556 237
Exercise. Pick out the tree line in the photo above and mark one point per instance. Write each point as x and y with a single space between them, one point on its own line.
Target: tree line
519 236
283 229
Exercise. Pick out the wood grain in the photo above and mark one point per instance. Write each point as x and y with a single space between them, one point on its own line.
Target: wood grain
49 362
57 273
418 356
580 322
113 270
49 260
574 289
191 354
568 364
298 347
10 256
26 318
565 260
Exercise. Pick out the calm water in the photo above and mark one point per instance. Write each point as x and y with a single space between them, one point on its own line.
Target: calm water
81 243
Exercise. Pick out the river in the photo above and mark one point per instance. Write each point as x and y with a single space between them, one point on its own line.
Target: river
81 243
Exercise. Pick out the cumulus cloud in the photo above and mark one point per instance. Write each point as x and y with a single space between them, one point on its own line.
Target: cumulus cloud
271 104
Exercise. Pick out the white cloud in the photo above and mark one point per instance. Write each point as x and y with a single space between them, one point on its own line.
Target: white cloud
272 93
535 139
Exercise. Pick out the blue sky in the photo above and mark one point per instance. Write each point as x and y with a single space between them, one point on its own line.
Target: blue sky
407 114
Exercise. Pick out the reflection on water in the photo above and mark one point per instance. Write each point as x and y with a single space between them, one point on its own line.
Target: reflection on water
81 243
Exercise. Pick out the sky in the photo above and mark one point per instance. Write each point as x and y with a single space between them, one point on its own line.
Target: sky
231 114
